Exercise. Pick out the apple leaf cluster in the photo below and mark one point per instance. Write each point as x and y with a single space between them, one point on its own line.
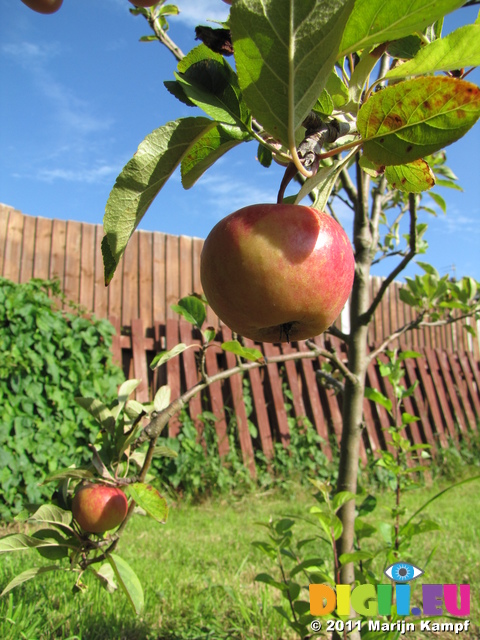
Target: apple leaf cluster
93 499
294 58
48 356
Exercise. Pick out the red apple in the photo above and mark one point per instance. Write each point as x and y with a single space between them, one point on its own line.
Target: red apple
143 3
43 6
277 272
98 508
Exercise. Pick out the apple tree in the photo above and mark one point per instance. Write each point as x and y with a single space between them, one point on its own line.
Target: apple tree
357 100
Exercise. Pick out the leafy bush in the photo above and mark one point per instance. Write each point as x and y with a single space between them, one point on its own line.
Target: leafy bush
48 357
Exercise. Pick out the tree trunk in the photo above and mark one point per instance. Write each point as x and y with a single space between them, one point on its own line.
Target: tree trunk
357 363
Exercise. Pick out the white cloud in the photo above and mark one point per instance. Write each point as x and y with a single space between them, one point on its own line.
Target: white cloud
195 12
103 173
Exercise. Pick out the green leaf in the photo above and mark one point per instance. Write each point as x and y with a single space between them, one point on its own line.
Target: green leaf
437 198
69 474
459 49
106 576
144 175
415 118
55 546
51 514
375 21
355 556
165 356
405 355
267 579
233 346
99 411
162 398
284 54
29 574
379 398
413 177
128 581
210 83
368 505
407 297
192 309
341 498
407 418
149 499
206 151
22 542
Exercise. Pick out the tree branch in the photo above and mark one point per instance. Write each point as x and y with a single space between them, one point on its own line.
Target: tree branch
367 316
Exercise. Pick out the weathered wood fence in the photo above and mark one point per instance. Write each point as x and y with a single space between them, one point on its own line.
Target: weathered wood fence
158 269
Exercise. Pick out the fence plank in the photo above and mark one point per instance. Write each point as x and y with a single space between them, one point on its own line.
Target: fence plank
191 373
431 400
159 279
87 266
440 391
139 360
261 414
313 396
216 402
4 217
275 383
235 383
73 245
470 381
116 341
13 247
145 278
172 291
28 248
57 257
130 308
421 408
450 387
173 372
294 383
100 291
462 392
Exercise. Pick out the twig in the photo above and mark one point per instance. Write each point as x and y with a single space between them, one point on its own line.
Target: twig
366 317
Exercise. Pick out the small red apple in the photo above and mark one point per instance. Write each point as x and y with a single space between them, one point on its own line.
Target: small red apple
277 272
44 6
98 508
143 3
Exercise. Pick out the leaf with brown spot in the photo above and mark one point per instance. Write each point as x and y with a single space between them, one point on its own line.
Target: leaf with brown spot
415 118
411 178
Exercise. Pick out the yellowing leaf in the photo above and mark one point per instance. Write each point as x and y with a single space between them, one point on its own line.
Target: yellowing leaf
415 118
411 178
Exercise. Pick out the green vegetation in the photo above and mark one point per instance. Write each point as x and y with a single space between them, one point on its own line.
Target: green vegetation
48 357
198 572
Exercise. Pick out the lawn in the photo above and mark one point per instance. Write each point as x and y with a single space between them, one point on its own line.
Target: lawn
198 572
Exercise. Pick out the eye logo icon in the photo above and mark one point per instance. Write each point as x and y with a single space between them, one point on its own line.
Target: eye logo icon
403 572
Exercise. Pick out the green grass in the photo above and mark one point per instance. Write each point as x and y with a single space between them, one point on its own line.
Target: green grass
198 573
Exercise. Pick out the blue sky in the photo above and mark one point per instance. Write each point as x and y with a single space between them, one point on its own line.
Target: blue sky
79 92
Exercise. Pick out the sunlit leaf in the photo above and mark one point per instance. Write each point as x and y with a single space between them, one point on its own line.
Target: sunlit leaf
375 21
165 356
378 397
459 49
29 574
414 118
128 581
144 175
249 353
162 398
192 309
98 410
149 499
284 53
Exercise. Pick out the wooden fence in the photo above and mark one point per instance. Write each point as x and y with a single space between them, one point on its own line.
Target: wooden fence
158 269
446 398
155 272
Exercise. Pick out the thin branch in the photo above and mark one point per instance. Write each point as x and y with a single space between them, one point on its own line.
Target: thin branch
160 420
367 316
163 37
349 187
337 333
